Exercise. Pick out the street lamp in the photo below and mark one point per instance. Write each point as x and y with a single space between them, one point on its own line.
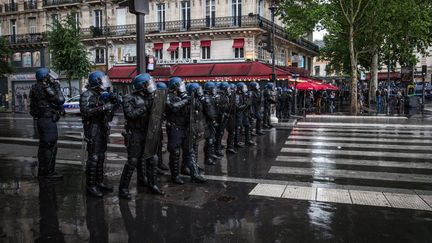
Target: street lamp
295 76
273 10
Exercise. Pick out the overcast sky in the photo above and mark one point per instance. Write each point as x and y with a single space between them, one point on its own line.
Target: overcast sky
318 35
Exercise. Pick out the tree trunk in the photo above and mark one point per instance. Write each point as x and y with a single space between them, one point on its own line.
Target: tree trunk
353 60
70 87
373 82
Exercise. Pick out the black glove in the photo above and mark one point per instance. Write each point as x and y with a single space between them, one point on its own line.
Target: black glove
108 106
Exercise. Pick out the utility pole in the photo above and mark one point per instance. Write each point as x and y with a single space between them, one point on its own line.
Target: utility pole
140 8
388 85
106 35
273 10
424 71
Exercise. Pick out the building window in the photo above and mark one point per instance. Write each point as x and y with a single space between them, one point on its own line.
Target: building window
26 59
1 33
185 14
236 12
175 54
158 54
161 16
13 27
260 51
36 59
99 55
260 7
238 52
54 18
32 25
282 58
210 13
317 70
77 20
98 19
186 51
205 52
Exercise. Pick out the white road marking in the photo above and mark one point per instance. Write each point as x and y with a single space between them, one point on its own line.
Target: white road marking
357 135
355 139
358 117
353 174
359 153
342 124
374 162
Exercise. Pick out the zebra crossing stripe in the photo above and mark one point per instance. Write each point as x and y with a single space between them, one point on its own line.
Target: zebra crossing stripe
352 174
425 148
344 196
359 135
377 163
355 139
358 117
358 153
365 130
343 124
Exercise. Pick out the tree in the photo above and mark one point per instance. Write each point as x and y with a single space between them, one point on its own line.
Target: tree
5 53
361 31
68 54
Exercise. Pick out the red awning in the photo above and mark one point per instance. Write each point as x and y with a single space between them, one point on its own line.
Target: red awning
173 46
157 46
121 73
185 44
206 43
238 43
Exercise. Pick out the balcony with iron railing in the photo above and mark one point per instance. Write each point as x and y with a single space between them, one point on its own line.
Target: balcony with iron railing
34 38
50 3
11 7
196 25
29 5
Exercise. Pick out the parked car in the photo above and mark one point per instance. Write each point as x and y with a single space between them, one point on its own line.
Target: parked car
71 105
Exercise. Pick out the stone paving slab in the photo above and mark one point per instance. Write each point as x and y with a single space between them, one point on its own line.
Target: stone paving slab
301 193
269 190
333 195
398 200
369 198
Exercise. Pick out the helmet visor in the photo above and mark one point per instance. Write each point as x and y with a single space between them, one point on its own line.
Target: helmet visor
182 87
106 83
151 86
199 91
244 89
53 75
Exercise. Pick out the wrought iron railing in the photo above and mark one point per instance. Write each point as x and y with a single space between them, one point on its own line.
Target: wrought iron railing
11 7
99 60
195 25
26 38
30 5
58 2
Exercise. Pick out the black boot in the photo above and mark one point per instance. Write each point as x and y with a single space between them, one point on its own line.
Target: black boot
91 172
160 164
258 128
100 178
248 140
125 180
175 170
230 143
195 175
142 179
152 177
52 174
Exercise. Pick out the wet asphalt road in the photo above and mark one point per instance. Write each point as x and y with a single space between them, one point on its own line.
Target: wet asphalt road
353 158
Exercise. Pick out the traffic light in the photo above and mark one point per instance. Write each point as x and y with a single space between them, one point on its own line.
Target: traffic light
139 6
267 41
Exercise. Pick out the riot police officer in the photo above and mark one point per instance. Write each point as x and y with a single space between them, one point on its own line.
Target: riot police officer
224 106
161 165
96 112
243 105
211 115
269 100
139 109
231 123
46 106
256 97
178 114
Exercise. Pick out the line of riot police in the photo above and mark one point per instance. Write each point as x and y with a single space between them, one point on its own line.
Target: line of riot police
190 112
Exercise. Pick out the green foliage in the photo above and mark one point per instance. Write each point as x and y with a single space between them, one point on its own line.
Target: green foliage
68 54
5 53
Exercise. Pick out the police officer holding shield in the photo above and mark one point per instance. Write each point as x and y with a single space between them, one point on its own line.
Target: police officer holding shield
143 113
46 106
